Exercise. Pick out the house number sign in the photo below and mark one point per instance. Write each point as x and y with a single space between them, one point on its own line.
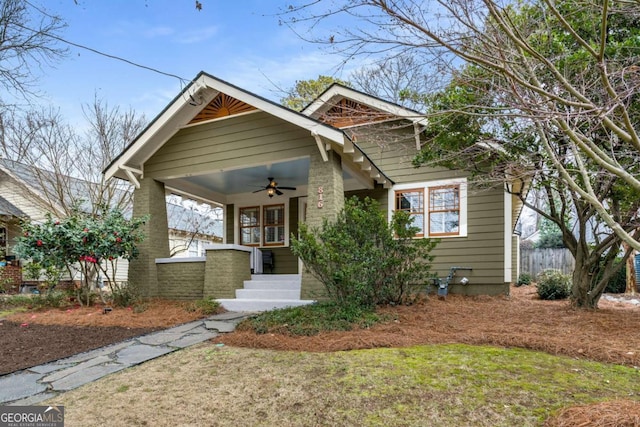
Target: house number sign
320 198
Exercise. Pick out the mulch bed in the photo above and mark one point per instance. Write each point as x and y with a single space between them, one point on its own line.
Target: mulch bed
24 346
34 338
609 334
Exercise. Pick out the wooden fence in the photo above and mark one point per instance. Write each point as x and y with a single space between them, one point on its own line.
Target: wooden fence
533 261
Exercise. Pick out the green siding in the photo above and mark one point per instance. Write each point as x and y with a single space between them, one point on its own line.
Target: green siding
483 248
285 262
229 143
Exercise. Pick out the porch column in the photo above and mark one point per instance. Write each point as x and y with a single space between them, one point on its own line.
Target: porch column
149 199
325 200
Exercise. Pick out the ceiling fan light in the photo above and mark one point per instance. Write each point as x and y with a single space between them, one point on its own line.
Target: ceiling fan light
271 191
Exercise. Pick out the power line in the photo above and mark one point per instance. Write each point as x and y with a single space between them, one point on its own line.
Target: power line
97 52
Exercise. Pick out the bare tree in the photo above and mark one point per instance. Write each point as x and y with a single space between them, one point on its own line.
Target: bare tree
398 79
567 67
111 131
64 167
26 45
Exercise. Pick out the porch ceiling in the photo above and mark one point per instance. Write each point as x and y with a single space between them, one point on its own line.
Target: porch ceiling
221 186
291 173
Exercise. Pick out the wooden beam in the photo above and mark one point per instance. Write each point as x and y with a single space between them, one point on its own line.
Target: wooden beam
321 146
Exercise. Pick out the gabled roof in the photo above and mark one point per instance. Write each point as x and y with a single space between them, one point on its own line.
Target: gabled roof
8 209
40 183
358 104
195 104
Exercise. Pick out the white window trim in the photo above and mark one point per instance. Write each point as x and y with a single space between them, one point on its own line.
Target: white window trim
236 222
425 185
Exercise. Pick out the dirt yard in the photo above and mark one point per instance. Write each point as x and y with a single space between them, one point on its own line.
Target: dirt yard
33 338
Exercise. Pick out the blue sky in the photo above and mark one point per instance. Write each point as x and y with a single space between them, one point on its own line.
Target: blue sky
238 41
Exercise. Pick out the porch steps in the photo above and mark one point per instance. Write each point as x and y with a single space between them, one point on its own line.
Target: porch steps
267 292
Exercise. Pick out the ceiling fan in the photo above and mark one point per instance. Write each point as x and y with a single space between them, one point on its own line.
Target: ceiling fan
272 188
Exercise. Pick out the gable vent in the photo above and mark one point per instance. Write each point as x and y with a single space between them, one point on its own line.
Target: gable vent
222 105
347 112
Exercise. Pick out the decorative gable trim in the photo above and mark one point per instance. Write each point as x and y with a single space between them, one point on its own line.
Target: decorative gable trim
347 112
222 105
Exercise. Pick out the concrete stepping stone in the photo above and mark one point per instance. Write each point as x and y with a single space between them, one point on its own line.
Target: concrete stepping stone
19 386
140 353
85 376
220 326
192 339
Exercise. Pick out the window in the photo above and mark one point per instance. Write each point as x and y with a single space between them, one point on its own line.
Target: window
250 226
444 210
438 208
412 202
274 225
262 225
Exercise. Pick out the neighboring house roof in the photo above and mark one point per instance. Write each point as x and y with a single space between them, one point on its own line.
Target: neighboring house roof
204 91
7 209
40 182
190 220
179 217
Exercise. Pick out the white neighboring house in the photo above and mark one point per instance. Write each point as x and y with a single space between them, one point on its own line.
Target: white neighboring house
23 195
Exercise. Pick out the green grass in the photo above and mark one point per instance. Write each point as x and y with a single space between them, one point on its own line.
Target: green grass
439 385
311 319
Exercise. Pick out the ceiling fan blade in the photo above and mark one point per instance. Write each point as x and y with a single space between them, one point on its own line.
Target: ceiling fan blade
278 192
287 188
257 191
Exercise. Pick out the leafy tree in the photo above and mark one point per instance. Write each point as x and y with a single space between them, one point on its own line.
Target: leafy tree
460 135
566 70
362 259
305 91
82 243
550 235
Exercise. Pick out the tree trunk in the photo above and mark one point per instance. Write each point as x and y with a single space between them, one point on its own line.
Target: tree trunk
584 292
631 287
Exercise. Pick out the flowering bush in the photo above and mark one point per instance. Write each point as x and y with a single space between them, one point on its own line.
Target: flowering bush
90 245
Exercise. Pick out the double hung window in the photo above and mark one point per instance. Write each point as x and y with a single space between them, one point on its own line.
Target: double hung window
438 208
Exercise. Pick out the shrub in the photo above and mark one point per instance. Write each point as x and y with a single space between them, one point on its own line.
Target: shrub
361 258
80 243
311 319
54 299
206 306
618 283
553 284
524 279
123 294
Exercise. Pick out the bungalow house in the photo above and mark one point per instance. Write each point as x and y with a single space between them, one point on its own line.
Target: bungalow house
28 193
271 167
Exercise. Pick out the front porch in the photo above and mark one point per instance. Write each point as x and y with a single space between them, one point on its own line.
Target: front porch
225 274
266 166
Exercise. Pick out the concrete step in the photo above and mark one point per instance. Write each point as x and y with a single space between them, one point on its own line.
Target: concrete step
269 294
279 277
271 284
251 305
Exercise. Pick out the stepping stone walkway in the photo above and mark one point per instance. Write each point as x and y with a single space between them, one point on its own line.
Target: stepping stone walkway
34 385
